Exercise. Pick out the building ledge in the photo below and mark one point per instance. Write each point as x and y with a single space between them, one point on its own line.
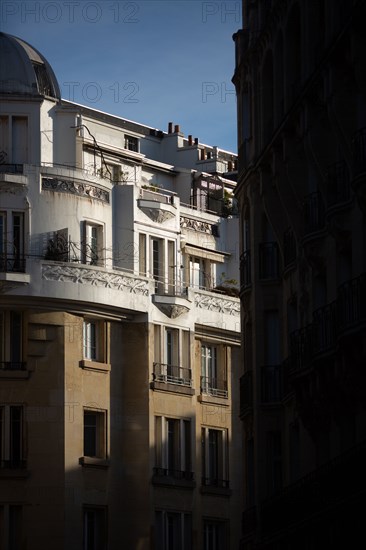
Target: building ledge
172 388
94 462
94 366
11 277
174 483
213 400
14 374
215 491
16 473
172 306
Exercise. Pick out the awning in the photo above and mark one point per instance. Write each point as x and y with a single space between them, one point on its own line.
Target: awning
206 253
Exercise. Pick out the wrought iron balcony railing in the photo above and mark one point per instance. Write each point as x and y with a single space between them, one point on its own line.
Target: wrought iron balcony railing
172 473
172 374
359 152
11 168
271 383
268 261
215 482
351 303
324 328
12 264
12 365
314 213
289 247
13 464
338 184
214 386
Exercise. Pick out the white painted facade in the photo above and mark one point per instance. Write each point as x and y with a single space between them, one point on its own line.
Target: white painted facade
111 222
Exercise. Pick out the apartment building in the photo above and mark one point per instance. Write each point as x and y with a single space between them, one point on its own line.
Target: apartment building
120 327
300 86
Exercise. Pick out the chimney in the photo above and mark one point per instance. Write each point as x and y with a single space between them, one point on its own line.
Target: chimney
176 129
170 128
190 141
196 141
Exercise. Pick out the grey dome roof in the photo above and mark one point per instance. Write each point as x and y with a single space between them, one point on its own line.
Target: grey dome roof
24 71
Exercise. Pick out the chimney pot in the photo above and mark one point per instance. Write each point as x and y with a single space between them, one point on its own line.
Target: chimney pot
170 128
176 129
190 140
196 141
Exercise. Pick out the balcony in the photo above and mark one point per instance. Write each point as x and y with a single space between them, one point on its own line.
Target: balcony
13 366
245 270
314 213
172 374
289 247
301 348
338 184
268 261
324 329
246 393
214 387
359 152
172 299
215 482
12 264
336 486
351 303
158 204
11 168
169 477
271 384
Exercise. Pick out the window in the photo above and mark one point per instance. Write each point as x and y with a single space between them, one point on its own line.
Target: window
132 143
11 436
171 355
173 530
12 242
92 243
95 441
173 447
94 340
213 374
95 528
13 140
199 273
214 458
11 520
157 266
214 535
11 340
274 462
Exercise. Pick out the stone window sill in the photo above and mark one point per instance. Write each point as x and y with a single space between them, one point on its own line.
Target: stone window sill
94 462
86 364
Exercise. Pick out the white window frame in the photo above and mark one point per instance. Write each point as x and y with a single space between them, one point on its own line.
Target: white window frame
172 355
132 143
93 243
213 370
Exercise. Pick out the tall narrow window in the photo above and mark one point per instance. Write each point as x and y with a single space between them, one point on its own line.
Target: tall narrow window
214 535
19 140
92 243
173 449
213 375
11 436
11 340
214 457
95 433
157 264
90 340
173 530
171 267
95 528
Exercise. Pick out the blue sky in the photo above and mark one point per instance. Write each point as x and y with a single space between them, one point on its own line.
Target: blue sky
151 61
